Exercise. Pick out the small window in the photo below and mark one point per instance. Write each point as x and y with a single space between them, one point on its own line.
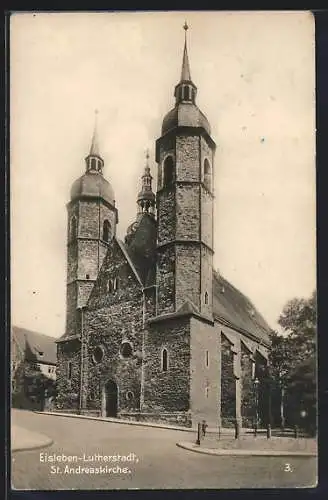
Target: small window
49 370
207 174
253 370
115 284
206 391
164 360
106 231
207 359
126 350
69 370
93 164
206 298
87 276
168 171
98 354
129 395
109 286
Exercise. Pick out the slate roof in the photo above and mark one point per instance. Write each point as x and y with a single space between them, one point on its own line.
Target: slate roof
36 343
234 308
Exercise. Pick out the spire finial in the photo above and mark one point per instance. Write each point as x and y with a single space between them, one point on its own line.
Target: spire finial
185 72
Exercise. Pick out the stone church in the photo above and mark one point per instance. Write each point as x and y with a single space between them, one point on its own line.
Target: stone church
153 332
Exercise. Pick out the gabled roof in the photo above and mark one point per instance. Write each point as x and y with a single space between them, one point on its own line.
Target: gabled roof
41 347
234 308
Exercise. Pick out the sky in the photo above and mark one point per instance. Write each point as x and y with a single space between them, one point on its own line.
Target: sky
255 74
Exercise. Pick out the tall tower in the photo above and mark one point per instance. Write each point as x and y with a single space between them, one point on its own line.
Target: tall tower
92 219
185 154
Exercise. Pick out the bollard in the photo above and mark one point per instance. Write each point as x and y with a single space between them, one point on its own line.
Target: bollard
199 429
204 427
295 432
237 429
268 431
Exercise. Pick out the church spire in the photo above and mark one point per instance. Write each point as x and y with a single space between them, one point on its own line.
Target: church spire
185 71
146 197
185 90
94 162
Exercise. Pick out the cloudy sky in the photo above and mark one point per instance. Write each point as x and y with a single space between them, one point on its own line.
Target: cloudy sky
255 77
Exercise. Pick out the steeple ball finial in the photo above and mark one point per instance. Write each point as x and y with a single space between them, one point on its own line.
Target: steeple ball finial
185 71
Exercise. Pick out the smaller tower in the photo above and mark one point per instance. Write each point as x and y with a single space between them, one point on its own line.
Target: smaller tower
92 220
146 198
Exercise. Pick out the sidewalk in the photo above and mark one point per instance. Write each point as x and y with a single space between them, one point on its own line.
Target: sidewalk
250 446
22 439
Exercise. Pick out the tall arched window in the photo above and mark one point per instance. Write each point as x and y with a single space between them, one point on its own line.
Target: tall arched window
168 171
186 93
206 298
73 228
207 174
106 230
164 360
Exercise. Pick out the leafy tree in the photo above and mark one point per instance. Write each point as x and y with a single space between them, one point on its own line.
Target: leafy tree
293 361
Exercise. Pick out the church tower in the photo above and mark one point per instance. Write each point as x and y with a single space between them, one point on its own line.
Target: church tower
185 154
92 219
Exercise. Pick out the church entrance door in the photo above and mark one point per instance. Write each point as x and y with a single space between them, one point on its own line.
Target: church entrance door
111 398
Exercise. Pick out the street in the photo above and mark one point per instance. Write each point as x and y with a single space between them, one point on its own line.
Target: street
154 461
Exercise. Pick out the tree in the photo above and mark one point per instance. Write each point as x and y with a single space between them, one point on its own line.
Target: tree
293 361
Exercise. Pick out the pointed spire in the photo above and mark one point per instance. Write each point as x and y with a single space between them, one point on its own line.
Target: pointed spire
185 71
94 149
94 162
185 91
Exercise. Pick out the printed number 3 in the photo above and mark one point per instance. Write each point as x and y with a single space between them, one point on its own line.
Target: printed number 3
288 468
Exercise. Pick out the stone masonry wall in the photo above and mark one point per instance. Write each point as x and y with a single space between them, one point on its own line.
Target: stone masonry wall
113 317
206 281
187 274
68 390
247 391
228 384
166 216
206 218
166 279
187 158
167 391
205 372
187 212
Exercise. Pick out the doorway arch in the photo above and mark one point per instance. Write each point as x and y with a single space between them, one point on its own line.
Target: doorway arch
110 399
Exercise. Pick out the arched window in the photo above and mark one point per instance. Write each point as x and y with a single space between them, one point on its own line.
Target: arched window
73 228
126 349
93 164
164 360
168 171
207 174
116 283
206 298
106 230
207 359
186 93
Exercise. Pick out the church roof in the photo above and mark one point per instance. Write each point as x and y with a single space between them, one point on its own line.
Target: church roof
234 308
41 347
92 185
185 115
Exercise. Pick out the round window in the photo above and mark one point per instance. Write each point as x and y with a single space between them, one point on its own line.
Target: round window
129 395
98 354
126 350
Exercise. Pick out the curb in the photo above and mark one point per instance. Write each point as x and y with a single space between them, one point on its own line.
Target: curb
34 441
126 422
244 453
